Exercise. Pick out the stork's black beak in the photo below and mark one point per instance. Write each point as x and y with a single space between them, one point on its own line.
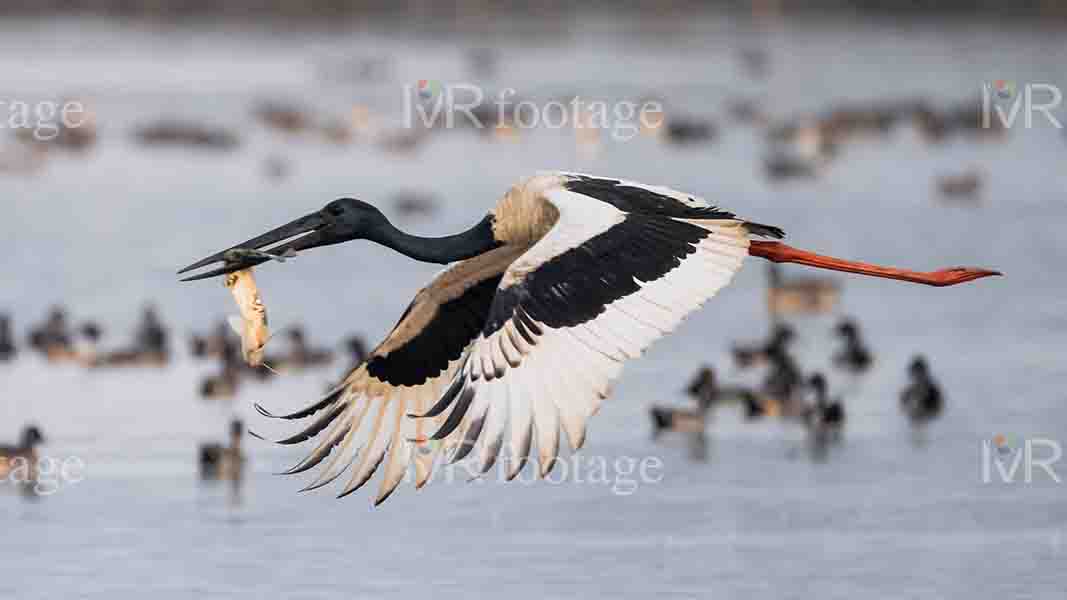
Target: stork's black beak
242 256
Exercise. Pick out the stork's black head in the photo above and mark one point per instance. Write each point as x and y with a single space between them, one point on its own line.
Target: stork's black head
339 221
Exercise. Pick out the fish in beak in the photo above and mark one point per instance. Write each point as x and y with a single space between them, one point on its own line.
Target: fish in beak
251 325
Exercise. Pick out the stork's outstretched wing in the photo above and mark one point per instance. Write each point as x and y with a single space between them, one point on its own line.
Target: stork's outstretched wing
623 265
364 420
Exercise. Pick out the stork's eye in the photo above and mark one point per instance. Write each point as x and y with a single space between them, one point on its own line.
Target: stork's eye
336 210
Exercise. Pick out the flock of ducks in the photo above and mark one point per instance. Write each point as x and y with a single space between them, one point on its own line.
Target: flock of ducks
802 147
786 392
58 341
797 147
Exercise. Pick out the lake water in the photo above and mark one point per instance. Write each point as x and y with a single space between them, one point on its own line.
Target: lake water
884 517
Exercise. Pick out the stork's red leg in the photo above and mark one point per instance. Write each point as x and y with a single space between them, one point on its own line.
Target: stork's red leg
782 253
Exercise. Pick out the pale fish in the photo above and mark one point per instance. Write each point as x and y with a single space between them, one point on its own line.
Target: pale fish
251 325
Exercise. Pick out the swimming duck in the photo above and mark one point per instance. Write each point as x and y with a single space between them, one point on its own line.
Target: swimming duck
25 452
7 342
747 356
704 390
218 462
300 355
960 188
781 386
825 419
800 295
53 338
921 401
855 356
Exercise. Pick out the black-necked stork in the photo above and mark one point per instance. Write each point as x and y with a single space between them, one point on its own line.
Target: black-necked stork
522 334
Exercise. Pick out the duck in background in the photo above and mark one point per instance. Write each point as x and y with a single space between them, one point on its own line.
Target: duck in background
824 419
855 357
756 354
224 385
300 355
22 455
800 294
7 341
782 385
960 188
53 337
921 400
87 344
152 341
703 389
212 345
224 463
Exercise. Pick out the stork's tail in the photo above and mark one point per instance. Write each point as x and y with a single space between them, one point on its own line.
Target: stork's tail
782 253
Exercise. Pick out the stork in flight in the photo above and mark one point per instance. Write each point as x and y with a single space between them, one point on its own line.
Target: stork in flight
521 335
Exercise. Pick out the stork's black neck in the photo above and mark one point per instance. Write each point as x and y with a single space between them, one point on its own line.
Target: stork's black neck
442 250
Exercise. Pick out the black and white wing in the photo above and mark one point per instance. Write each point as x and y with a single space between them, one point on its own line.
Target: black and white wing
622 266
364 423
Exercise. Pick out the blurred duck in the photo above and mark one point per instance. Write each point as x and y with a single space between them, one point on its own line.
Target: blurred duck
854 357
213 345
800 295
150 346
153 341
283 117
300 355
825 419
401 141
188 134
747 111
88 343
414 203
357 349
932 126
704 390
781 387
53 338
684 131
7 342
25 452
747 356
961 187
226 463
780 165
224 385
921 401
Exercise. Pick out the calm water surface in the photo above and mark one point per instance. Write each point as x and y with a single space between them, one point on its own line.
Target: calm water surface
887 516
